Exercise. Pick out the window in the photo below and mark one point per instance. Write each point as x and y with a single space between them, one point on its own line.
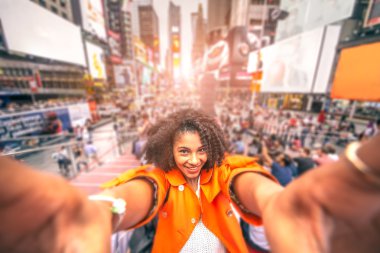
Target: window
54 9
64 15
42 3
62 3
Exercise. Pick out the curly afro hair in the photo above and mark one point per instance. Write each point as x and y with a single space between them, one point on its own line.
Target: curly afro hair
161 137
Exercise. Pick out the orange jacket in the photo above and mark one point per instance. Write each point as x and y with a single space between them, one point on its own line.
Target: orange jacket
182 211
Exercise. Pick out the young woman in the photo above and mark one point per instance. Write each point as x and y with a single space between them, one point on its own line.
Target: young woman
316 213
188 151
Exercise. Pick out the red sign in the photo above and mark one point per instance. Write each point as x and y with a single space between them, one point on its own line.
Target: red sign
373 13
33 86
115 59
114 35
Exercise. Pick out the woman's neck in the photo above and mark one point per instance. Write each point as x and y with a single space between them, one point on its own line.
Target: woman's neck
193 182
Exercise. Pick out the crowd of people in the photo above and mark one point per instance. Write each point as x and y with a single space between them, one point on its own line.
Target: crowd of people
240 162
198 191
285 144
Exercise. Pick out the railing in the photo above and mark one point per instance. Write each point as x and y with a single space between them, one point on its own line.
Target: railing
109 144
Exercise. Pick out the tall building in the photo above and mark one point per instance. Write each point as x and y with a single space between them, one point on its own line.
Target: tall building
174 40
135 15
199 42
149 29
61 8
259 21
120 21
218 19
120 67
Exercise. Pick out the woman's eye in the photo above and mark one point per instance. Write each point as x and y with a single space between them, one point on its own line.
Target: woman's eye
202 150
183 151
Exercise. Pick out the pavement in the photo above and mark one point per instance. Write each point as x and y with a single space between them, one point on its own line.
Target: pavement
89 182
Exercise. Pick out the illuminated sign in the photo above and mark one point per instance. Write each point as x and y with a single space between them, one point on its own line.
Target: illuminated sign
95 57
93 18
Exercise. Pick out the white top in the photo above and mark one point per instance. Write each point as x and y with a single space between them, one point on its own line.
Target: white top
202 239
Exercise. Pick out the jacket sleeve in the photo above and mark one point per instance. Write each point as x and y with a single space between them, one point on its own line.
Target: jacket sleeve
154 175
233 166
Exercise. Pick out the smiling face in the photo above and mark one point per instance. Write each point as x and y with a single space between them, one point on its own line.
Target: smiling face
189 154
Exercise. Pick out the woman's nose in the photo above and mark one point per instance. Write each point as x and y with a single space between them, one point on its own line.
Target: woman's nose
194 159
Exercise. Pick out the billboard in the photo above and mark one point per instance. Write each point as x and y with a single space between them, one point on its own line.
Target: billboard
290 65
96 61
79 114
114 43
357 73
93 18
52 121
305 15
31 29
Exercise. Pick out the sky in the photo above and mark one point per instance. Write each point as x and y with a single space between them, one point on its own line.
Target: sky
187 7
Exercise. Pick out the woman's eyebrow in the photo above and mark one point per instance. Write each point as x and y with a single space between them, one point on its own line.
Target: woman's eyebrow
183 147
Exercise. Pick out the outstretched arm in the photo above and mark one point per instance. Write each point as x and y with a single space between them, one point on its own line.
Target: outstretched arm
43 213
333 208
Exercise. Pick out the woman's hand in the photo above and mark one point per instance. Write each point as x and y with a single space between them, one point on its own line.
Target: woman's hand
43 213
333 208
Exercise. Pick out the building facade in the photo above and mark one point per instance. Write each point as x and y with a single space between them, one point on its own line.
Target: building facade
199 41
37 70
174 26
149 29
218 19
61 7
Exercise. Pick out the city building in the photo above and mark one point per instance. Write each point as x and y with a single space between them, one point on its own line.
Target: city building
135 15
149 29
120 65
120 22
35 65
96 43
260 23
61 7
199 30
174 26
218 19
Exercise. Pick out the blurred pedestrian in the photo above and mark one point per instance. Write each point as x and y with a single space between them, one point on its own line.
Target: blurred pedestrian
92 153
63 160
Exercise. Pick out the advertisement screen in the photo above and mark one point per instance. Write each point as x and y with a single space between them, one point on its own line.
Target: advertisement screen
93 18
326 61
124 75
79 114
357 74
305 15
34 123
290 65
30 29
96 61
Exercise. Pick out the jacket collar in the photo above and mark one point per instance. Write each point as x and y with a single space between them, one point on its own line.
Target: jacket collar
176 178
